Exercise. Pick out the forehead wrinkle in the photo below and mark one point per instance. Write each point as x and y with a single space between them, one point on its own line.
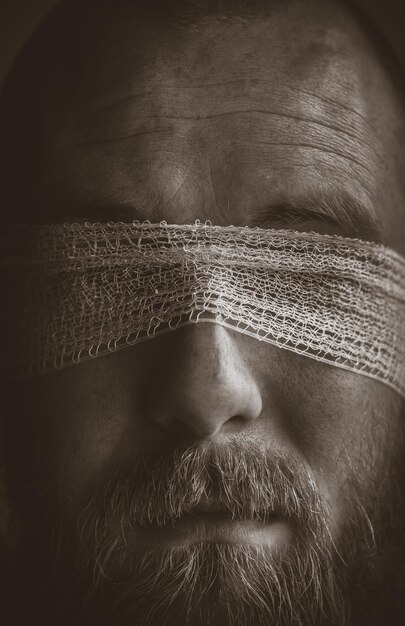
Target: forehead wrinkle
214 116
110 102
309 131
336 105
245 151
178 101
156 106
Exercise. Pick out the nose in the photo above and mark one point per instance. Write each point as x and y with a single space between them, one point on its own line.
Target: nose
202 385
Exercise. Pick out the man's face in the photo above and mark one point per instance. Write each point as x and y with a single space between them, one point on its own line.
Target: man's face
240 124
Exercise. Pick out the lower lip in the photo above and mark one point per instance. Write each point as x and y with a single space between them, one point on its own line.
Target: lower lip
220 527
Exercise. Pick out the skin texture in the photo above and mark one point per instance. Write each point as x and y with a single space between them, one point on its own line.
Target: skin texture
279 122
226 141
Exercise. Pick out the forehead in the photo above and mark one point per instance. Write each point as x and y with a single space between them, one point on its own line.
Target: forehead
221 122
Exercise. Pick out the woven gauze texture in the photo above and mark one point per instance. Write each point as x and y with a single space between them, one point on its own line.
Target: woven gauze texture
82 290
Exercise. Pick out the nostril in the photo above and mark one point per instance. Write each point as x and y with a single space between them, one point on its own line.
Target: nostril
236 419
236 423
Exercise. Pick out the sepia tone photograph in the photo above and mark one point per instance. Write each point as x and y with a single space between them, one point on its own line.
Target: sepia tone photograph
202 264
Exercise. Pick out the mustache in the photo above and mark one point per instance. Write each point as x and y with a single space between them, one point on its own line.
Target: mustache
243 479
120 573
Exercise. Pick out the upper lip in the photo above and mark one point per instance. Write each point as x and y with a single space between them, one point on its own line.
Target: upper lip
213 505
209 505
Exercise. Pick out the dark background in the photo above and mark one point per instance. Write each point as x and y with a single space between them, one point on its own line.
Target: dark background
19 17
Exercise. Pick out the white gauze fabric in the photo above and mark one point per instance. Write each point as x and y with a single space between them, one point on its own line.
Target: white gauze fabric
83 290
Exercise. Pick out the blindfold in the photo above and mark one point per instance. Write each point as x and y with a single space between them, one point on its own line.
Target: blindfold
77 291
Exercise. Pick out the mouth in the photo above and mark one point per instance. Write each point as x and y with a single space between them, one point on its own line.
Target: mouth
210 521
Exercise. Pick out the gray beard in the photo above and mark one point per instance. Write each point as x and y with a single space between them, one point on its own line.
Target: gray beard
115 579
220 584
99 570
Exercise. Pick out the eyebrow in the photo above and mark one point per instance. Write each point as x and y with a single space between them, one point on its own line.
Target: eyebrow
340 209
343 210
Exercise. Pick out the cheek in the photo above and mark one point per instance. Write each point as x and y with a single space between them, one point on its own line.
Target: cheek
91 440
89 413
342 423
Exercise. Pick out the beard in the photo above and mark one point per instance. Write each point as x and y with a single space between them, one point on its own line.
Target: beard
136 581
106 569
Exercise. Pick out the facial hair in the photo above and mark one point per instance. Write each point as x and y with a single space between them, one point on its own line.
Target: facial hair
123 579
105 573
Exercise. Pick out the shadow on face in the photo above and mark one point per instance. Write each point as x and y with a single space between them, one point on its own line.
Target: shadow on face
287 121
